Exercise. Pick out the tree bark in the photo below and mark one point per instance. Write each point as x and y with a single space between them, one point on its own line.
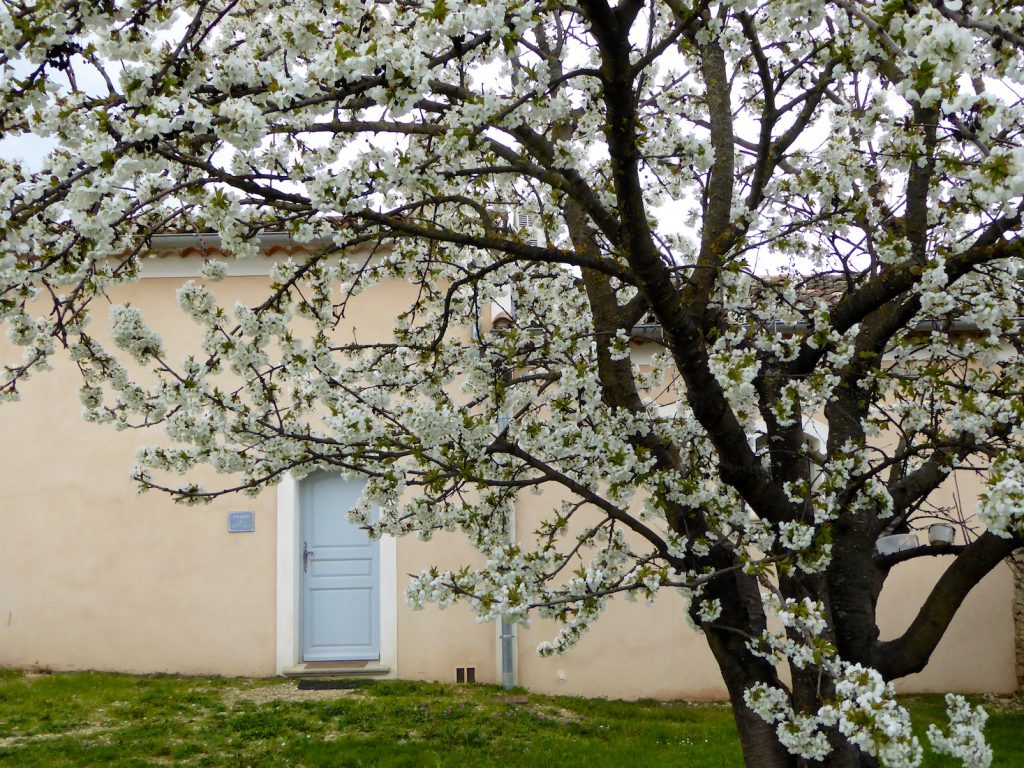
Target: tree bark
743 615
740 670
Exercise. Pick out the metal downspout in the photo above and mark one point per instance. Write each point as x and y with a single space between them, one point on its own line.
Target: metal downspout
507 641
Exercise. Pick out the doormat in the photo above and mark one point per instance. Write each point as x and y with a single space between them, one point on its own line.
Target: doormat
332 685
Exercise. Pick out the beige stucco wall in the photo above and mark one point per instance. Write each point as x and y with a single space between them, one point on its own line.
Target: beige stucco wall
94 576
432 642
636 650
977 652
642 650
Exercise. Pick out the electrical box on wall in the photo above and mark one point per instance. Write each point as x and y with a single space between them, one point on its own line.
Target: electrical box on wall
241 522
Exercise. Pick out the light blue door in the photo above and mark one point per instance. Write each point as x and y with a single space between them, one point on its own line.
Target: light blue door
340 574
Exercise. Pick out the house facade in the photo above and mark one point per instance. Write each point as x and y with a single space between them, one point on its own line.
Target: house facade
94 575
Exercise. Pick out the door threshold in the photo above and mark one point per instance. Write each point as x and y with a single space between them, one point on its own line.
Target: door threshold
338 669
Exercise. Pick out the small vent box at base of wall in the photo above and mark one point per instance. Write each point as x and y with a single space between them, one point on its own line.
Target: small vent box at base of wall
465 674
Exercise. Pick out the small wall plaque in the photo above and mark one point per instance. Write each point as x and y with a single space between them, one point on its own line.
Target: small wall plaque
241 522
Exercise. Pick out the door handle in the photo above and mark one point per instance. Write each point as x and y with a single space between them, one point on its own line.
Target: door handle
307 553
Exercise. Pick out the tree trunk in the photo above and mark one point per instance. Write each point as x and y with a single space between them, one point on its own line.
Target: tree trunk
741 669
742 615
846 755
761 747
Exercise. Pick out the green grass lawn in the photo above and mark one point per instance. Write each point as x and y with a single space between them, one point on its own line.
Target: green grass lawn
94 719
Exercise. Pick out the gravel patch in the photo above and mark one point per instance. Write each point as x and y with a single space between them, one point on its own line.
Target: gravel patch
286 691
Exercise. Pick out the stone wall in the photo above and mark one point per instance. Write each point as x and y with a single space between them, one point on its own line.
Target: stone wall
1016 562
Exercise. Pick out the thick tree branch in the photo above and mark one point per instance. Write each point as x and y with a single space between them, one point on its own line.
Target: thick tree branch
910 652
682 321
